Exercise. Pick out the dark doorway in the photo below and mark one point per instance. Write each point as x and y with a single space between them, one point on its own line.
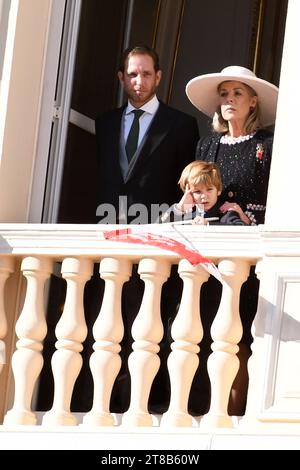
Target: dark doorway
191 37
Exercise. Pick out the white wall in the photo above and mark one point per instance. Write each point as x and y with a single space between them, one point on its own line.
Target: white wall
283 196
22 82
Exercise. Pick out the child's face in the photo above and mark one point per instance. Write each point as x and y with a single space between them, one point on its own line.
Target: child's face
206 195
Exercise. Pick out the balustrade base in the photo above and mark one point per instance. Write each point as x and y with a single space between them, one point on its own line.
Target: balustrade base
59 419
100 439
98 419
131 419
176 419
216 421
13 417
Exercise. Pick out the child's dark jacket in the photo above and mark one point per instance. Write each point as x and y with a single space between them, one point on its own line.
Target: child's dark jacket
227 218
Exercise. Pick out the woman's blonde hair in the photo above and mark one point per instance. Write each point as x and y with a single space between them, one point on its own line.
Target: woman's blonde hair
198 173
252 123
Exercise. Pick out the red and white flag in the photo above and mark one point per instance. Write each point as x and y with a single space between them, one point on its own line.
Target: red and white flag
137 235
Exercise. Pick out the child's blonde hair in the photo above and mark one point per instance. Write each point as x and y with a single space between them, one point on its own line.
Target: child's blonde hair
198 173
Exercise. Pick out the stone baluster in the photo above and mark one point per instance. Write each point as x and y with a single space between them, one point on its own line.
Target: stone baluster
108 332
71 331
6 268
226 332
31 329
147 332
186 332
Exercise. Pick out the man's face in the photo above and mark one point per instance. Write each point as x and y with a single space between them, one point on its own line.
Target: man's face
139 79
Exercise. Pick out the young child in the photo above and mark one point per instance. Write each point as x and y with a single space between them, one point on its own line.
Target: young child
201 184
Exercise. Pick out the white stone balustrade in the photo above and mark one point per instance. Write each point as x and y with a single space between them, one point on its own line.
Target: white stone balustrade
71 331
187 333
31 329
6 268
234 249
226 332
108 331
147 332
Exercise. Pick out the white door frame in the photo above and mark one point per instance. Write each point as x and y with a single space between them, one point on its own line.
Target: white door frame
55 109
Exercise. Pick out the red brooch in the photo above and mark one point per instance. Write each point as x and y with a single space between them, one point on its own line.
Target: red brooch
259 152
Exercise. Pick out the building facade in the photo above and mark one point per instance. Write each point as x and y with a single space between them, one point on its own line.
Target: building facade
53 84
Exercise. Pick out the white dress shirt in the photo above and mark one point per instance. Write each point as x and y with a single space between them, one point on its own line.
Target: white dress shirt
150 109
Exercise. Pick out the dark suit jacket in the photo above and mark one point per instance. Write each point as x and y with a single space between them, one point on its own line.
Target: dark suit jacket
152 178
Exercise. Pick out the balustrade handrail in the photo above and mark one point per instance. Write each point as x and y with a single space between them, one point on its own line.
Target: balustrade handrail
88 240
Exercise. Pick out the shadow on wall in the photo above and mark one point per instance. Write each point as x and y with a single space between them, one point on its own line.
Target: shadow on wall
276 323
5 247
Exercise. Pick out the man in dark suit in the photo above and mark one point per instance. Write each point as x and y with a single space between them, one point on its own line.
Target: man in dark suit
166 144
134 181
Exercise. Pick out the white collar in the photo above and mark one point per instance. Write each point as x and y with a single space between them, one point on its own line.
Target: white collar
228 140
149 107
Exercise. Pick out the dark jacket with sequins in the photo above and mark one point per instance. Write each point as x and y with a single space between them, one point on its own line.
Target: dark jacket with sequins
246 176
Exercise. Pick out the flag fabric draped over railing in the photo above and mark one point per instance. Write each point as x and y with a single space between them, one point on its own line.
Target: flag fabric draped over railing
139 235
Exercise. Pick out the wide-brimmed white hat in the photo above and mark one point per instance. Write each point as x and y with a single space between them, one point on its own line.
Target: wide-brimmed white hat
202 91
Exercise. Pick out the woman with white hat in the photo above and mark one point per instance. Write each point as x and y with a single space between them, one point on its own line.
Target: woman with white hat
241 106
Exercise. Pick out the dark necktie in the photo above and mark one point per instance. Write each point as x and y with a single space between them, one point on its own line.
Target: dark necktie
133 136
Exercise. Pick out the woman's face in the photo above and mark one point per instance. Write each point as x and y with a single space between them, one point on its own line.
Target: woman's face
236 101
